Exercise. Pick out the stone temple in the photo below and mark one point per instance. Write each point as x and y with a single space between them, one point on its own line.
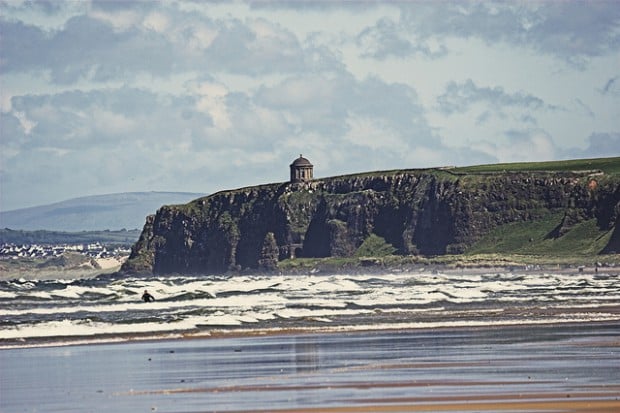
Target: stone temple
301 170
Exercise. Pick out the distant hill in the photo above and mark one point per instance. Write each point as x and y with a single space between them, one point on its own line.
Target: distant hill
94 213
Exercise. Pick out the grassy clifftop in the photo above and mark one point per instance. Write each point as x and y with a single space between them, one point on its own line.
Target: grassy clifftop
610 166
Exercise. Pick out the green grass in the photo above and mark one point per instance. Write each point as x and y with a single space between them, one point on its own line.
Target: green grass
513 237
584 239
532 238
608 165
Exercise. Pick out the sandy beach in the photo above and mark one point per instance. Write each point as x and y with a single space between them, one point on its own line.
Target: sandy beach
555 368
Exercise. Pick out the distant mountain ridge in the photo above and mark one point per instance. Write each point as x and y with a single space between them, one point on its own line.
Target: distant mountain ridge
94 213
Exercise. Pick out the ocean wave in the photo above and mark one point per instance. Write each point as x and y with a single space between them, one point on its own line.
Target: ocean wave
108 306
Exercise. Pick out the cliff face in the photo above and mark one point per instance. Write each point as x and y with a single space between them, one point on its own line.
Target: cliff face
418 211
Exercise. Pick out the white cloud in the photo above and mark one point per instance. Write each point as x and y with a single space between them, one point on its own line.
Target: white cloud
374 134
109 122
25 123
390 39
171 95
54 152
521 145
119 20
296 93
459 97
599 145
202 36
212 101
156 21
212 89
569 30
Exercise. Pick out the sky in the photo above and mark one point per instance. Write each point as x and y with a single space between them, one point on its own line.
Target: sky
102 97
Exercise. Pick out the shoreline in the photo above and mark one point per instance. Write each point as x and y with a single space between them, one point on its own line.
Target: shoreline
240 333
463 267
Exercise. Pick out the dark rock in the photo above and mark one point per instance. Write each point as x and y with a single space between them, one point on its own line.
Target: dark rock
428 212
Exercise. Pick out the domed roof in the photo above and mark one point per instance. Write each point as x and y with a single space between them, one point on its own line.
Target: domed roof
301 161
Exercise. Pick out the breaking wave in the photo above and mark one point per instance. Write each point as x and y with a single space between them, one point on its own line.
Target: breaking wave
57 311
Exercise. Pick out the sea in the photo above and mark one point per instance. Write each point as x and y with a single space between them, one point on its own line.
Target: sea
109 308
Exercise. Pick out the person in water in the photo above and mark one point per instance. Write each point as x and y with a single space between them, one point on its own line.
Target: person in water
146 297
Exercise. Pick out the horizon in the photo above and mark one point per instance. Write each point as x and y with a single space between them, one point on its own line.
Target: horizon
201 97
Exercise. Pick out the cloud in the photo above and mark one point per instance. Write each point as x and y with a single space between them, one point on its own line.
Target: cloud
570 30
119 5
312 103
599 145
120 20
201 96
45 6
328 105
213 102
492 107
612 87
19 45
254 47
388 39
459 97
374 134
25 123
122 38
142 139
297 93
518 146
157 22
86 48
108 45
584 108
113 140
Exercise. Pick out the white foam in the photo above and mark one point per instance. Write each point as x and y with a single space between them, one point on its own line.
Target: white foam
6 294
307 313
252 299
69 328
242 302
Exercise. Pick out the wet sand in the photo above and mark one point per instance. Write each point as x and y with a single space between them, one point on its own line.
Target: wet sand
555 368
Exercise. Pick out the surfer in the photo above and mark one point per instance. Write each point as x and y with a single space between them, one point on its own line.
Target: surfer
146 297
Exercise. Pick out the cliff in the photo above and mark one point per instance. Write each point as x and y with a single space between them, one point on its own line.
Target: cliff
426 212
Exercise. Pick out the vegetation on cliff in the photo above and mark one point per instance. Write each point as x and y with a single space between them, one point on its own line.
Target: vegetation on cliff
567 208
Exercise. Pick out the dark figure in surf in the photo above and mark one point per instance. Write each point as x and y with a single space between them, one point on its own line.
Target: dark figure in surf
146 297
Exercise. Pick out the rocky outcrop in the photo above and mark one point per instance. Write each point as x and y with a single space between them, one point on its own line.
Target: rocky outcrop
426 212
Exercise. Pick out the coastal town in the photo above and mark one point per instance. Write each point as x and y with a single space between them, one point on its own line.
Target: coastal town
43 260
33 251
